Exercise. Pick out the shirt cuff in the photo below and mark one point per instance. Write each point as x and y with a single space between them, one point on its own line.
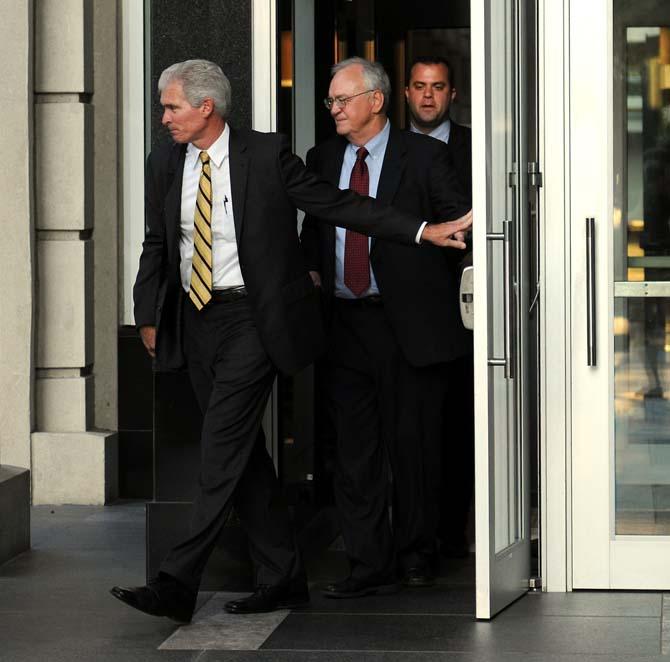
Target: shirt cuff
417 239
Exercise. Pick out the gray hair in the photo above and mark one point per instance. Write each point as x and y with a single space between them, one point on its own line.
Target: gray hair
374 76
200 80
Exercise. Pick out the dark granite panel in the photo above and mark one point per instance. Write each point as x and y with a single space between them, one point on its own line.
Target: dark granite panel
136 474
177 423
591 603
415 656
14 511
507 633
443 600
208 29
135 382
229 567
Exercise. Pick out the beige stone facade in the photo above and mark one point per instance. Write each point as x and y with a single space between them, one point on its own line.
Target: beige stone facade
58 335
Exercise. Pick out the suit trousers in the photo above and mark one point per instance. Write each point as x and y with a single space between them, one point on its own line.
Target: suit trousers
388 418
458 453
232 377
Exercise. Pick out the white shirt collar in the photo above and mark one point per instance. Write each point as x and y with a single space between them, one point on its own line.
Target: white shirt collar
376 146
217 151
440 132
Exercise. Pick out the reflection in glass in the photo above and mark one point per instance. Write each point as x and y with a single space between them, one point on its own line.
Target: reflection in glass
641 224
642 157
642 416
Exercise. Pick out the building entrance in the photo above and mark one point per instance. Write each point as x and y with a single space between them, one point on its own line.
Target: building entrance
311 38
500 104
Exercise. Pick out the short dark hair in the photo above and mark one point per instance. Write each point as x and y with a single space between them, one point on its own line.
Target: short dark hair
431 59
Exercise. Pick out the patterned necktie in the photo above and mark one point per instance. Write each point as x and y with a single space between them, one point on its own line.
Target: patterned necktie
356 260
201 275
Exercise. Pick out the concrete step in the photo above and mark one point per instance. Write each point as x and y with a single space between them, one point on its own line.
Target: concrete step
14 511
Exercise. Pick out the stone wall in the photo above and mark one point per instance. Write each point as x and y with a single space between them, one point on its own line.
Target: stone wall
16 248
76 224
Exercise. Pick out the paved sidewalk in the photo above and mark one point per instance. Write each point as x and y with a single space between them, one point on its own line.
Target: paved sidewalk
55 606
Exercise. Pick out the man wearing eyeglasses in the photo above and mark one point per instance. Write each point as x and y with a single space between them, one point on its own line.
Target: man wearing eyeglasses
222 290
392 322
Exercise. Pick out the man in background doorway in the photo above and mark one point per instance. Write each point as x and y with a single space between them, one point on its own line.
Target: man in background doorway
392 323
430 92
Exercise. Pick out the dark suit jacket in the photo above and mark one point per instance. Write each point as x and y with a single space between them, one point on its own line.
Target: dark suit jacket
418 283
268 182
460 148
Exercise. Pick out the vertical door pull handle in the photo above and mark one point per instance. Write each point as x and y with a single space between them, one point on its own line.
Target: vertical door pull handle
591 346
508 257
507 361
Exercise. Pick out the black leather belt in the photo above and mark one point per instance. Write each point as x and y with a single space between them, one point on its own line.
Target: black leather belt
362 302
229 294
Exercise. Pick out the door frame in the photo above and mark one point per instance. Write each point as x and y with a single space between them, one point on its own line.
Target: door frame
555 514
555 451
264 118
555 376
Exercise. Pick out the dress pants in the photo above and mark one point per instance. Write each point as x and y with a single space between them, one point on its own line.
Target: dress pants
388 422
458 453
232 378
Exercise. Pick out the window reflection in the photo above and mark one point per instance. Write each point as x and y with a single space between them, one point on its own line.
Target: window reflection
642 416
644 178
641 224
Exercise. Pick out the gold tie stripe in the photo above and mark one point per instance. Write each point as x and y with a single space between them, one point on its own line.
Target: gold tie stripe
201 274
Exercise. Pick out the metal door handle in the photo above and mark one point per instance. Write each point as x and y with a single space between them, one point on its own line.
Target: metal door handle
591 346
508 294
509 299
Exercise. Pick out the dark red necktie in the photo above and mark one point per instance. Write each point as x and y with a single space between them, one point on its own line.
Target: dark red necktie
356 260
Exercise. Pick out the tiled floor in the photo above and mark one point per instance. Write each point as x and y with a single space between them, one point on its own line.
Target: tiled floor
54 605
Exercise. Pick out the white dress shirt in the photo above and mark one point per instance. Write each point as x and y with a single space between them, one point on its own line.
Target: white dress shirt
225 262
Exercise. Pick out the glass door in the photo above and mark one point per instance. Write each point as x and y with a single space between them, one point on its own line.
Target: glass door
620 209
502 301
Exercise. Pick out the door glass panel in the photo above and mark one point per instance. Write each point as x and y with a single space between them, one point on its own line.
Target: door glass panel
642 416
504 197
641 236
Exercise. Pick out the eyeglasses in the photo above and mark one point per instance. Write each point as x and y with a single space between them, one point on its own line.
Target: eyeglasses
341 102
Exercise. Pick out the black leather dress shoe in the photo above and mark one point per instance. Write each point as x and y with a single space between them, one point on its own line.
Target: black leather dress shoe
418 576
163 596
356 587
269 598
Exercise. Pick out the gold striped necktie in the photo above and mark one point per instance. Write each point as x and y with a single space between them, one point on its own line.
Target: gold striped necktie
201 275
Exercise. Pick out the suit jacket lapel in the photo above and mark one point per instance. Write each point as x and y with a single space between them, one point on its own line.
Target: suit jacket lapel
173 178
392 168
239 170
332 167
